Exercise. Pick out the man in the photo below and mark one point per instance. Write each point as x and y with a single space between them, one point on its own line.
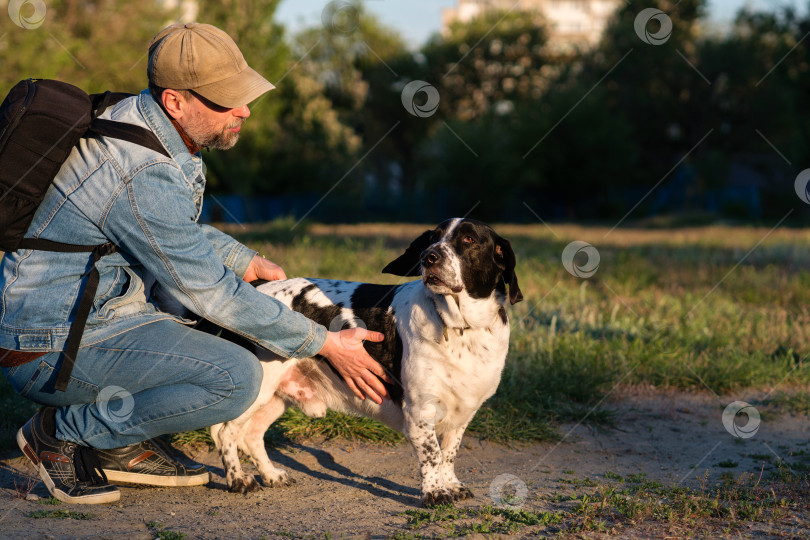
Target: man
141 373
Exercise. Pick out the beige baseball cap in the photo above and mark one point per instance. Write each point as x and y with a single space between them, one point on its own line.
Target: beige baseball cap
203 58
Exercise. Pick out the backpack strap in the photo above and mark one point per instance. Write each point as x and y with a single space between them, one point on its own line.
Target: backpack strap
127 132
117 130
100 102
120 130
86 301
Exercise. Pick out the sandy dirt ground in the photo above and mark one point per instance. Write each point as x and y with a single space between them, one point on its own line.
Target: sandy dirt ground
362 490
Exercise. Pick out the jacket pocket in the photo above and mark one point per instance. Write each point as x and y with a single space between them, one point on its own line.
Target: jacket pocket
131 301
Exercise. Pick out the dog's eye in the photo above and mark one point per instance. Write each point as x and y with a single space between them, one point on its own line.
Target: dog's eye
468 239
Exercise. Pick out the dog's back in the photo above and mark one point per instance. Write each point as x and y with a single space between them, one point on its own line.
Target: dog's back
338 305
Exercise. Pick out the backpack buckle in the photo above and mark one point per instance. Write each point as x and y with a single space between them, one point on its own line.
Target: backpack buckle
104 249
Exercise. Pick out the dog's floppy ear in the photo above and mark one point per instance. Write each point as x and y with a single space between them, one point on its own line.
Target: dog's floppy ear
408 264
506 257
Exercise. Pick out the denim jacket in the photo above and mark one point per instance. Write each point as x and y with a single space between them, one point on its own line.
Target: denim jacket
148 205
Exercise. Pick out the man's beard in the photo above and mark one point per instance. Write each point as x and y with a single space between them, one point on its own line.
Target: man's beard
206 135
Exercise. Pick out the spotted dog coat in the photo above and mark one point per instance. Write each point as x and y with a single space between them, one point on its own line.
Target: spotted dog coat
446 338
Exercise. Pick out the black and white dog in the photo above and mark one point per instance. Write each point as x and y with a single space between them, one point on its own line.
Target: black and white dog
446 339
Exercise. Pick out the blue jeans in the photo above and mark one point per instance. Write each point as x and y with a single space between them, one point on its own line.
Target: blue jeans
159 378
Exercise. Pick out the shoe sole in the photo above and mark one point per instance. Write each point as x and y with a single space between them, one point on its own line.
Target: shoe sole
140 479
100 498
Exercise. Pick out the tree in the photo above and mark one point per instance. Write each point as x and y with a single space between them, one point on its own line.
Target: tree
96 46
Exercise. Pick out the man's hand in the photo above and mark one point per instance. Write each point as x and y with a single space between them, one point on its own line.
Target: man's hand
362 373
261 268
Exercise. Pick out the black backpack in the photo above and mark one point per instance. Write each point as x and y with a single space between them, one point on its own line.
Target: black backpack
40 123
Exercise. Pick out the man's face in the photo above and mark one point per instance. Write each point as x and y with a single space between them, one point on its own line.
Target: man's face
212 126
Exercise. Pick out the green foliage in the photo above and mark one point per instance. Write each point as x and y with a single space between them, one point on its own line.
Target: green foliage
497 59
590 133
60 514
97 45
16 412
296 425
460 522
163 534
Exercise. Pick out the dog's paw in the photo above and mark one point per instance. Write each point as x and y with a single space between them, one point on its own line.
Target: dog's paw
462 492
243 484
440 497
280 479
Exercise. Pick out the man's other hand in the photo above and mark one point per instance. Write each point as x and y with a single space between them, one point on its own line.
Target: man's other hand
362 373
261 268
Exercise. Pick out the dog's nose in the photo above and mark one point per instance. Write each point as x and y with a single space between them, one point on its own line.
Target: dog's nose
430 257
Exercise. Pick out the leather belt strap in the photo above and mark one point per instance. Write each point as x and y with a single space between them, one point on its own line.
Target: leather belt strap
9 359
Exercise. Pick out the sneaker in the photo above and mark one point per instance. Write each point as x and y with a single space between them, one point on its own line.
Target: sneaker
70 471
150 463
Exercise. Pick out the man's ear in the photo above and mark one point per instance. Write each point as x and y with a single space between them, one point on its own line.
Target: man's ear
505 257
173 102
409 263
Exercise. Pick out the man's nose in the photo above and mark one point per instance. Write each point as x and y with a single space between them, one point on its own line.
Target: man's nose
242 112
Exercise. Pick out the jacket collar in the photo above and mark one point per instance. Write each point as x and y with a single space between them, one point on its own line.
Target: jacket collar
160 124
163 128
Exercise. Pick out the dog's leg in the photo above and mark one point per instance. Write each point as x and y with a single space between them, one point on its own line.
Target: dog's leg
450 442
216 429
228 435
423 438
230 459
253 443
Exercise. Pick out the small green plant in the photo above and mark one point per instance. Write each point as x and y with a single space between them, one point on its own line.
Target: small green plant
636 478
170 535
484 520
60 514
158 528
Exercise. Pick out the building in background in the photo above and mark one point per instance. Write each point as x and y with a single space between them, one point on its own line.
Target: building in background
571 23
188 9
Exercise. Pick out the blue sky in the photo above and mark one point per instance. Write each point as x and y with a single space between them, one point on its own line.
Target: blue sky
416 20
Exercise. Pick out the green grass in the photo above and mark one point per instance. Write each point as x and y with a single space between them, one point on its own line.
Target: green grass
691 308
686 309
726 506
160 532
60 514
794 402
457 522
627 504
